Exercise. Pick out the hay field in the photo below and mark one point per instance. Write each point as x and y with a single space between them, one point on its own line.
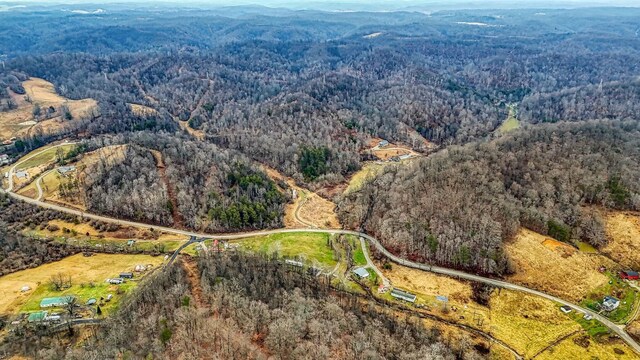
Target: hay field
20 121
580 346
539 261
623 230
369 170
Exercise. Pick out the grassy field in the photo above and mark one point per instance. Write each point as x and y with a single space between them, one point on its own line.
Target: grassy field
358 254
536 257
369 170
19 122
311 247
512 122
580 346
624 231
47 157
319 211
83 271
85 234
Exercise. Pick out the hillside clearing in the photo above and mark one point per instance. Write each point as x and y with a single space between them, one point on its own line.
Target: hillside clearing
581 346
623 230
19 122
311 247
82 270
536 258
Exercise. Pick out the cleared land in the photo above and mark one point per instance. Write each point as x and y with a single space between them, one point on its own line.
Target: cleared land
35 165
308 208
310 247
83 271
623 230
142 110
581 346
20 121
84 234
512 122
539 261
368 171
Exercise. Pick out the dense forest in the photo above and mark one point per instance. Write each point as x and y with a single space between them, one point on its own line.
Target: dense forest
187 183
305 92
248 307
272 94
458 207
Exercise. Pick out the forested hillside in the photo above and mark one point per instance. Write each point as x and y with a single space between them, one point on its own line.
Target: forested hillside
273 94
208 188
246 307
459 206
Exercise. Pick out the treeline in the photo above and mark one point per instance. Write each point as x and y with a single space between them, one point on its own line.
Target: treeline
214 189
247 307
459 206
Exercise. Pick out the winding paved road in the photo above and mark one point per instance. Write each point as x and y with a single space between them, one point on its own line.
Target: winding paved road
617 329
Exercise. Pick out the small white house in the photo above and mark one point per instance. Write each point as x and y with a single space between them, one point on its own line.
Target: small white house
565 309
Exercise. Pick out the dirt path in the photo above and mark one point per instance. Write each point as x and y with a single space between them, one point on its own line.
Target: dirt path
308 208
193 276
556 342
171 191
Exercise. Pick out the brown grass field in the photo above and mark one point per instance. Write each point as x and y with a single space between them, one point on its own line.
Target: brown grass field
623 230
19 122
580 346
526 323
142 110
82 269
312 208
539 261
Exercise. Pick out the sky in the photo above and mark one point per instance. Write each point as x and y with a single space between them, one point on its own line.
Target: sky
355 4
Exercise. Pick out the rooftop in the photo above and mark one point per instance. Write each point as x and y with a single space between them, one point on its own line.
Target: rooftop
361 272
56 301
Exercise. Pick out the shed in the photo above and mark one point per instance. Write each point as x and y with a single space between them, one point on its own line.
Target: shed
403 295
361 272
116 281
629 275
383 143
91 301
566 309
37 316
293 263
22 175
56 301
64 170
25 288
126 275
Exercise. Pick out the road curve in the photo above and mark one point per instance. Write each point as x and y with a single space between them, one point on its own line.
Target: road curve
13 168
617 329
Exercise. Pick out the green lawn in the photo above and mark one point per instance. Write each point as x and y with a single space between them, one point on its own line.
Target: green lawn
586 247
48 156
358 255
312 247
618 289
82 292
512 122
593 327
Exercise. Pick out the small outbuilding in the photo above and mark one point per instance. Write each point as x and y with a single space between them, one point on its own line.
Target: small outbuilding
566 309
22 175
37 316
115 281
629 275
25 288
403 295
383 143
92 301
361 272
64 170
126 275
131 242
